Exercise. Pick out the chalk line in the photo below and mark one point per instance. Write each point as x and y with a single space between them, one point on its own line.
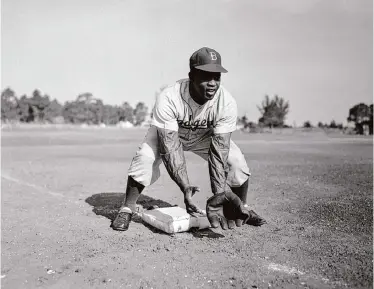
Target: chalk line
285 269
294 271
27 184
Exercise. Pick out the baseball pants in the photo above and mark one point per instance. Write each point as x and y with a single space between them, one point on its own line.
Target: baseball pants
145 166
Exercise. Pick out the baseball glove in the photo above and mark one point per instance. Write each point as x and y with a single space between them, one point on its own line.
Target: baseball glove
226 209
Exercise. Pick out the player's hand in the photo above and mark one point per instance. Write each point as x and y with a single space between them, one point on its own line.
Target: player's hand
226 209
191 208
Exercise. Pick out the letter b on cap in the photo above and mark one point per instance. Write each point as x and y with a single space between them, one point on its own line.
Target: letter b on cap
213 55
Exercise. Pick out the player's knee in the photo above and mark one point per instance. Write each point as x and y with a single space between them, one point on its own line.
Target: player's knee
147 153
144 167
237 161
238 170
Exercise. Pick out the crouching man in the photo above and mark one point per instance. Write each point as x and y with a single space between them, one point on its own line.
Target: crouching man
196 114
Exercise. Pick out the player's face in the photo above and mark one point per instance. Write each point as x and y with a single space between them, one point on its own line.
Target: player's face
205 84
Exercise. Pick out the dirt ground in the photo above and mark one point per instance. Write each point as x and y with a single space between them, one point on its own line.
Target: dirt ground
60 189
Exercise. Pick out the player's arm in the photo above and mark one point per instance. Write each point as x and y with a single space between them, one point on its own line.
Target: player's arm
172 155
220 145
171 148
217 160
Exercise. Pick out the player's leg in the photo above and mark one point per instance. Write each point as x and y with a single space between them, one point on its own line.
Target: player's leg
241 191
238 174
133 191
238 179
125 213
144 171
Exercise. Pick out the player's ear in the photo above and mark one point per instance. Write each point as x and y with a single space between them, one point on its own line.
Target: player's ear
191 74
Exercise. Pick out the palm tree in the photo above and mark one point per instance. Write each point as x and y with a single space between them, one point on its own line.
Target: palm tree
273 111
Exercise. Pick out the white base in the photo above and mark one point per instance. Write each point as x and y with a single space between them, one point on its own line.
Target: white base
174 220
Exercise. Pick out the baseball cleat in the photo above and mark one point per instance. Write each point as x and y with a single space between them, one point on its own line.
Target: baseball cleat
122 221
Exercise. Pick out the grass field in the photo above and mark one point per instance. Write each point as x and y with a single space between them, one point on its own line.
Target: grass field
59 189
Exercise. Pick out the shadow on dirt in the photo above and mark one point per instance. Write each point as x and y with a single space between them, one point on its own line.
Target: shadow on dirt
108 204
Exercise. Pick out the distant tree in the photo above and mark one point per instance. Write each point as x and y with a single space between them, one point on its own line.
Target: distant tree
9 105
88 109
111 114
37 105
359 113
362 115
83 104
53 111
8 94
85 98
85 109
96 108
242 121
24 109
73 112
371 119
320 124
28 109
140 113
307 124
333 124
77 112
273 111
127 112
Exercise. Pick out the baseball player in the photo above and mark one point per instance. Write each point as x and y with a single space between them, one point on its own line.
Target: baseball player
196 114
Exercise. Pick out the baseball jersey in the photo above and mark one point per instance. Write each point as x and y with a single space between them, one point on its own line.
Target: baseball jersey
176 110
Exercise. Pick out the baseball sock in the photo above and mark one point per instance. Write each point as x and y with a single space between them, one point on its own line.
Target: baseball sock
241 191
133 191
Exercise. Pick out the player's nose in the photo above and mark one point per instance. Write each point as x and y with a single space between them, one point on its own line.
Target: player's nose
212 83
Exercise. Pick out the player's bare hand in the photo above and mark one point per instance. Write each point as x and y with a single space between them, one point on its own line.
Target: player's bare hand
191 208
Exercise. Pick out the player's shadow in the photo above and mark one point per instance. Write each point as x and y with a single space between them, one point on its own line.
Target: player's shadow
108 204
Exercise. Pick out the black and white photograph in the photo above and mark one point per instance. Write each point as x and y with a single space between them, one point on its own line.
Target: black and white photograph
187 144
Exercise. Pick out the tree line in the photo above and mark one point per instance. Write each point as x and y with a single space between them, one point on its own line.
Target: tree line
275 109
360 115
87 109
84 109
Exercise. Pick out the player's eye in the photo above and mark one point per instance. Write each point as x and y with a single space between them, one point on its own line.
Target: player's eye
208 76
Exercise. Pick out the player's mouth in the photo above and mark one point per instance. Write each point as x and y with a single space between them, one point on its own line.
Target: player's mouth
210 92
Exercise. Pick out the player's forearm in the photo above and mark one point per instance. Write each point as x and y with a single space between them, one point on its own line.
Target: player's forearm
172 154
217 160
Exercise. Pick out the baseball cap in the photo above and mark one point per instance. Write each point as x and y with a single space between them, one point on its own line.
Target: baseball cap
206 59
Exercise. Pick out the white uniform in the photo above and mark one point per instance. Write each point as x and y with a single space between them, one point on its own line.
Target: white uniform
176 110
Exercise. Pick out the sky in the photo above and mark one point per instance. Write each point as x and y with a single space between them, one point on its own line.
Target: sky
316 54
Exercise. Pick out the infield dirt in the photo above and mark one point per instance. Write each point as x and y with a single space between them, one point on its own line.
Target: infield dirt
60 189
